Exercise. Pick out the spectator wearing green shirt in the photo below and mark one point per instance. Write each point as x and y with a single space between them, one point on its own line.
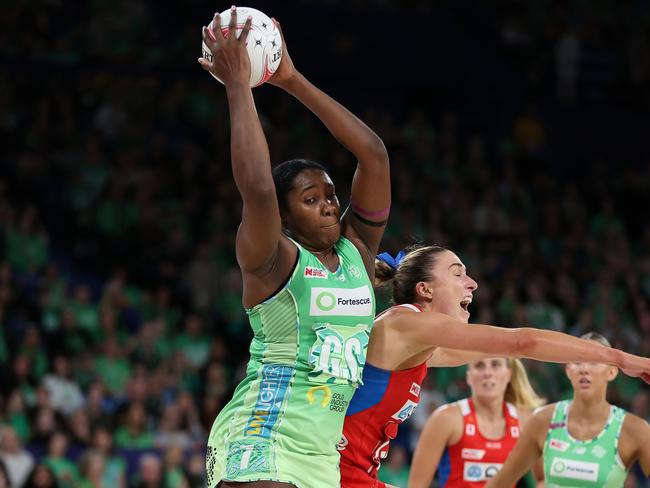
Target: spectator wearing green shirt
116 214
27 243
91 466
85 311
134 434
66 471
52 296
540 311
112 367
115 466
16 415
69 338
193 343
174 477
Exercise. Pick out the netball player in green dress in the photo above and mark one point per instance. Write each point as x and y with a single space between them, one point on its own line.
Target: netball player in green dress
307 275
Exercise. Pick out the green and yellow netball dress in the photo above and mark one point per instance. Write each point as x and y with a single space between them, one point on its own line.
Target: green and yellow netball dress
590 464
285 418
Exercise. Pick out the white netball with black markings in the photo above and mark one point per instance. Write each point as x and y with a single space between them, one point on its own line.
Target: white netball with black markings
264 42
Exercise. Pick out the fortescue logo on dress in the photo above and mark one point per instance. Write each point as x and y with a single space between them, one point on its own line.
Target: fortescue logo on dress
577 470
355 302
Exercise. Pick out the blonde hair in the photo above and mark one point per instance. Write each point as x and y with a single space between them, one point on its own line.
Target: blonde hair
519 391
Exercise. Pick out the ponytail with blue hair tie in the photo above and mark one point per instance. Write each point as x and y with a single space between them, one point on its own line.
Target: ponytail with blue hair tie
391 261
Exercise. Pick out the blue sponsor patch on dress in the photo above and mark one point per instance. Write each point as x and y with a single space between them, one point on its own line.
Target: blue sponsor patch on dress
274 381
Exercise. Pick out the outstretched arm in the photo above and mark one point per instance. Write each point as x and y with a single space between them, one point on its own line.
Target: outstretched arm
417 331
366 219
259 234
444 357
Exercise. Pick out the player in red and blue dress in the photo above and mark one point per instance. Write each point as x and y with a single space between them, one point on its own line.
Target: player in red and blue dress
386 399
429 327
474 459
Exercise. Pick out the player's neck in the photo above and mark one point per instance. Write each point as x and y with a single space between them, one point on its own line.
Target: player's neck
490 409
321 253
589 410
425 306
327 257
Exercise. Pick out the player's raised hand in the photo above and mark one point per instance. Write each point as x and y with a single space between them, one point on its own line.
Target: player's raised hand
228 59
636 367
286 70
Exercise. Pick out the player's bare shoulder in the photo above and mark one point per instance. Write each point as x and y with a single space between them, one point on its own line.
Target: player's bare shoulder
395 316
633 444
544 413
636 429
449 412
540 419
447 421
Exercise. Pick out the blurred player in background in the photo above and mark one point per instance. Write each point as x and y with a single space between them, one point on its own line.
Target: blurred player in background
586 441
467 441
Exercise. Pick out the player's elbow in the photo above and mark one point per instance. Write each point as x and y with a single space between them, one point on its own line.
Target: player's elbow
381 154
376 149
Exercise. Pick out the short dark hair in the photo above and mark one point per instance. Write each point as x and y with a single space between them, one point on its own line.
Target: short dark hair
284 174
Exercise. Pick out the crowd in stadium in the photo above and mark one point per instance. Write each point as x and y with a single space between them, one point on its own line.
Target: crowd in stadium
121 326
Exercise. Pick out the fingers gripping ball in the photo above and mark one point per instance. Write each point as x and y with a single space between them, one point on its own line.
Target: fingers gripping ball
264 43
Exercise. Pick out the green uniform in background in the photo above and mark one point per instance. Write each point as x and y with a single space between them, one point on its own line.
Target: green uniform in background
583 464
307 355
